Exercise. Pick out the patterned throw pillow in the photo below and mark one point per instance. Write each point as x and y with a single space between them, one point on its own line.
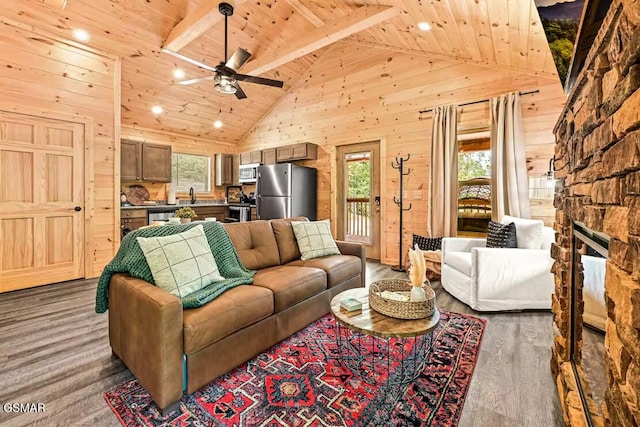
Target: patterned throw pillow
181 263
314 239
427 243
501 235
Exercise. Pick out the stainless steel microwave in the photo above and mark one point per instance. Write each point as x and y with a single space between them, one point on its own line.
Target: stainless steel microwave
248 173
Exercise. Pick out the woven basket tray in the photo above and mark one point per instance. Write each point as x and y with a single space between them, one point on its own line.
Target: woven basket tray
401 309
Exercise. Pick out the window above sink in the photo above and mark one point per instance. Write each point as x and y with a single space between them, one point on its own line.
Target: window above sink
190 171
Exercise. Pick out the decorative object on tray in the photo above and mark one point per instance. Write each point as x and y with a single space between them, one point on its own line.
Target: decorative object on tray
401 309
417 275
351 304
185 214
136 194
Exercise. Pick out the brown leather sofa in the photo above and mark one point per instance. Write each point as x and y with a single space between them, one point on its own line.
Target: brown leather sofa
151 333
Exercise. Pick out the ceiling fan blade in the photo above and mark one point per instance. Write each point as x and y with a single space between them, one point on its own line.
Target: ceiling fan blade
189 60
239 92
238 59
259 80
192 81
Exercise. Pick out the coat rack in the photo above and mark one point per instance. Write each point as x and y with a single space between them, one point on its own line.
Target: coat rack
399 164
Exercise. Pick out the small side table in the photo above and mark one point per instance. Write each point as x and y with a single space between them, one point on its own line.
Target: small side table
404 346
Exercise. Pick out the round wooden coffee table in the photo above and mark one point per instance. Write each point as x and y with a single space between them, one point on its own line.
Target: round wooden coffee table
379 348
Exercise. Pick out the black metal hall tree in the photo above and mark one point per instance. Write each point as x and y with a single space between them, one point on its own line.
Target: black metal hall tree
399 164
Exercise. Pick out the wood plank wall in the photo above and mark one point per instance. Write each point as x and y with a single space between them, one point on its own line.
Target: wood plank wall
179 144
45 76
357 94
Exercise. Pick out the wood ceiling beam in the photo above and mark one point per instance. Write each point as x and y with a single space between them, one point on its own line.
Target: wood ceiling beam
305 12
358 20
434 55
194 25
59 4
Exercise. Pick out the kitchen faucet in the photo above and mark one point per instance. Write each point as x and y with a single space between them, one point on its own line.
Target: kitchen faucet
192 193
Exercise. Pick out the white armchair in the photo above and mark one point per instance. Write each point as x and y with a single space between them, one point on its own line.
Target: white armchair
494 279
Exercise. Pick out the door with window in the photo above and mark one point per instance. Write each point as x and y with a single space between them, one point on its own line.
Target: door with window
41 201
474 186
358 195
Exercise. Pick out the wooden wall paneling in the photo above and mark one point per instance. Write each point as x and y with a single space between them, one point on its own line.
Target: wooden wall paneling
338 108
47 76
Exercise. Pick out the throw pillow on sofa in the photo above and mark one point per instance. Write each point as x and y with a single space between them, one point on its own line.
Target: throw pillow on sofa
314 239
529 231
181 263
427 243
501 235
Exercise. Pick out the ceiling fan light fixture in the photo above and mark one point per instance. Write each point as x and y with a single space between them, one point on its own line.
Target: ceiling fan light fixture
224 84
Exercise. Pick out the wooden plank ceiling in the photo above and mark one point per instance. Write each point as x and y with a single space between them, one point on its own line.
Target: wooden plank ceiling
504 35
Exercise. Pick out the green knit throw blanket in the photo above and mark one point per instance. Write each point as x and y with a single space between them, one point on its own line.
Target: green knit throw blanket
130 259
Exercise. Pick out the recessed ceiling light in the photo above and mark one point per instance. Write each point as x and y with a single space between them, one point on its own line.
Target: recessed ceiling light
178 73
156 109
81 35
217 124
424 26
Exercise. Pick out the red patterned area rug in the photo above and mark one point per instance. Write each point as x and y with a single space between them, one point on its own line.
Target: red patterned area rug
301 382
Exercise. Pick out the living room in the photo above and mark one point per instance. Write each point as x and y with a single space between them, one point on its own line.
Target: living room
81 80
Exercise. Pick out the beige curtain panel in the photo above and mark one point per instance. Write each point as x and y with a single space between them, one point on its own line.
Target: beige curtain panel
510 193
444 172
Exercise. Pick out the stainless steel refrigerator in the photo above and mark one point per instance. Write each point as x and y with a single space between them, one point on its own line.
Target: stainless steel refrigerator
286 190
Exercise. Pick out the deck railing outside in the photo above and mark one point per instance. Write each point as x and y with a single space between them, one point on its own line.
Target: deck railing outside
358 221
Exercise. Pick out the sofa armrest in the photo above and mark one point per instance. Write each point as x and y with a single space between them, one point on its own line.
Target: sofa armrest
461 244
514 274
355 249
145 332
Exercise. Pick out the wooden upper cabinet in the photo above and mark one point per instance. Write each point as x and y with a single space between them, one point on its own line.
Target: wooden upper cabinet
225 169
140 161
245 158
269 156
302 151
130 160
235 169
156 162
256 156
251 157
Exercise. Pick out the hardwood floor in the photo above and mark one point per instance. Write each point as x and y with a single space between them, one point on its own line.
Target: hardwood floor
54 349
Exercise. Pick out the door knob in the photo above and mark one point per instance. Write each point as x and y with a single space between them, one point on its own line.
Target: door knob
77 209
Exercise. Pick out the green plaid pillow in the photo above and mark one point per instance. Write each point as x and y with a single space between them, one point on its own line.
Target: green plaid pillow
181 263
314 239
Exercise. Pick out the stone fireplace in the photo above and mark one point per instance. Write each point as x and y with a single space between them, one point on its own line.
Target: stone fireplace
597 163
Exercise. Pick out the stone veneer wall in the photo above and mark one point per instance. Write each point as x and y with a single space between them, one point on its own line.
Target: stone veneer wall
597 165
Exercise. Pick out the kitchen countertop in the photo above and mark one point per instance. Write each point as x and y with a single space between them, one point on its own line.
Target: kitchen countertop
164 207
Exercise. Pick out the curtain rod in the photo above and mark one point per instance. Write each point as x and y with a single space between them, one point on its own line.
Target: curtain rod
482 100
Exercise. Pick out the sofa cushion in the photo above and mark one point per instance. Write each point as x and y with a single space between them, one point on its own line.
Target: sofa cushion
233 310
338 267
461 261
181 263
290 285
528 231
255 243
287 243
314 239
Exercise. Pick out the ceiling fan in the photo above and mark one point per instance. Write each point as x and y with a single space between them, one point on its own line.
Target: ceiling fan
226 76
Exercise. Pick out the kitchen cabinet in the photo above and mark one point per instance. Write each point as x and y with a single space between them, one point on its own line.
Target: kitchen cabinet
302 151
224 169
251 157
132 219
141 161
254 213
269 156
236 170
218 212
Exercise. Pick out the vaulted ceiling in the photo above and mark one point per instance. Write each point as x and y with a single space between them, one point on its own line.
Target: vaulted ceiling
505 35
